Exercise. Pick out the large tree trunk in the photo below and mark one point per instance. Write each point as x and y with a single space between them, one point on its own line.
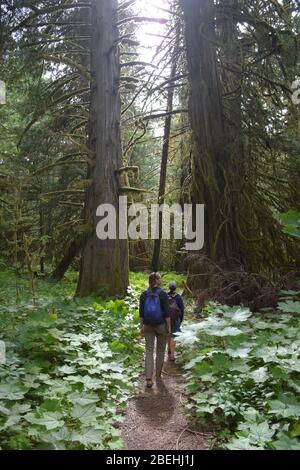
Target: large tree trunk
42 234
104 263
232 83
211 152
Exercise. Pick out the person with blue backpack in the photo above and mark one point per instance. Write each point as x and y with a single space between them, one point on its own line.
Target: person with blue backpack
155 324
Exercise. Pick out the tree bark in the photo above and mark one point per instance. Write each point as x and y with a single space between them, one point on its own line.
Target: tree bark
42 233
66 261
232 84
211 152
104 263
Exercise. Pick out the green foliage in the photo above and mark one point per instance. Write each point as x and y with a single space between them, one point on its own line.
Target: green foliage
71 366
291 223
242 371
140 281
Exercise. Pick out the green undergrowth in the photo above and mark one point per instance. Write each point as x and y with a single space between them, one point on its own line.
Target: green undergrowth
243 374
140 280
71 365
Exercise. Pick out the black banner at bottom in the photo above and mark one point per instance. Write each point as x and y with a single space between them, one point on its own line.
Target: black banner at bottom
149 459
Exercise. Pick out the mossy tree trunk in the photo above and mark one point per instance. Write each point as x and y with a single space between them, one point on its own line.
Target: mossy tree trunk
67 259
104 263
212 140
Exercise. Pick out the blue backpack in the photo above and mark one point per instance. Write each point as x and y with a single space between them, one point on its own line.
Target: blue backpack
152 308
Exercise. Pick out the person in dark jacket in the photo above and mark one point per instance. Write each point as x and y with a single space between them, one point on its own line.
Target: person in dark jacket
154 323
176 306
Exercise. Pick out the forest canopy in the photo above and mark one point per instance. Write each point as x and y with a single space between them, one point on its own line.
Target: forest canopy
219 80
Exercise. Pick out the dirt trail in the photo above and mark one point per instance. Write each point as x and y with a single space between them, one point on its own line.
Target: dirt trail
155 418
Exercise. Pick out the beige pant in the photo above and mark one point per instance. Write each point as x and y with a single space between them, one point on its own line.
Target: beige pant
160 333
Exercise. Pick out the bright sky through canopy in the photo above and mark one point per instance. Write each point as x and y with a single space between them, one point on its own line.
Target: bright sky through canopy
148 33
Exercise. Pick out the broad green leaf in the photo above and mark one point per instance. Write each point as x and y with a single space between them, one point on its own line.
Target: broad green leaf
83 399
239 315
295 384
284 442
202 369
261 432
291 223
279 373
57 387
251 415
228 331
4 410
242 443
187 336
88 436
116 444
91 383
239 352
51 420
286 406
220 361
194 361
289 307
67 370
85 413
14 390
259 375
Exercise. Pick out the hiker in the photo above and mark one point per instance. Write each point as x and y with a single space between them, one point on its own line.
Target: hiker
154 323
176 311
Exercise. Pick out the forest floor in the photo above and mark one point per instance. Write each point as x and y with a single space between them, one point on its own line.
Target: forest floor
155 418
72 366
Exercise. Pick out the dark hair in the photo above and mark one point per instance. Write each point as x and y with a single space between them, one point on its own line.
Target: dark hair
153 278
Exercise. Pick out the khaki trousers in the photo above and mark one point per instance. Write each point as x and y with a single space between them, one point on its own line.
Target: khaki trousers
160 333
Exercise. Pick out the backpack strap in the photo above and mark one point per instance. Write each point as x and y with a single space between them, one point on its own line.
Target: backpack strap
173 296
150 292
